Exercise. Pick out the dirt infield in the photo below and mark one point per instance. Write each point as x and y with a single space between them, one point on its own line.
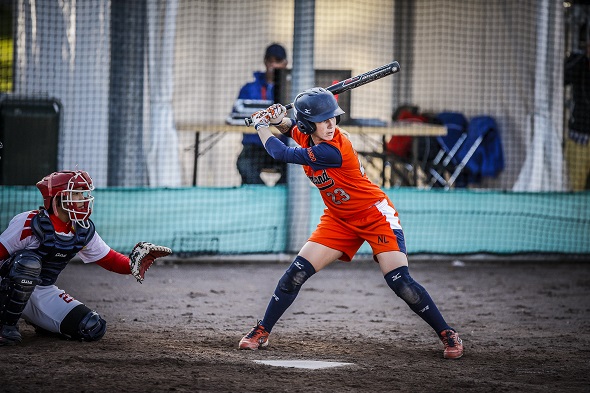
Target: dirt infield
526 328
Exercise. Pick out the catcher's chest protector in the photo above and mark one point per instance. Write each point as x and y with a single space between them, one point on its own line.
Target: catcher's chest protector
56 250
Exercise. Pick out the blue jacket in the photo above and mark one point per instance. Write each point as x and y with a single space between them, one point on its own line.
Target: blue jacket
488 159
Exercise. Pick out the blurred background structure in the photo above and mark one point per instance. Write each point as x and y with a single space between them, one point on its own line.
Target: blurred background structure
138 93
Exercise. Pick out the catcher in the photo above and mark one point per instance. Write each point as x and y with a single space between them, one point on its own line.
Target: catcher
37 246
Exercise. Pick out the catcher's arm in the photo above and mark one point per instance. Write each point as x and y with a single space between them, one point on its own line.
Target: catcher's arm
142 257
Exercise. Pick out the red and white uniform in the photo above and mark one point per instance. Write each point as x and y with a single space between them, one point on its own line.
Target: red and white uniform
19 236
48 305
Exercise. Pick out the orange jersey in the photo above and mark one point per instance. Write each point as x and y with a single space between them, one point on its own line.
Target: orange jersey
346 190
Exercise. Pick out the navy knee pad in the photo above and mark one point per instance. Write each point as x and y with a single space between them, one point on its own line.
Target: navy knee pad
287 290
299 271
416 297
404 286
84 324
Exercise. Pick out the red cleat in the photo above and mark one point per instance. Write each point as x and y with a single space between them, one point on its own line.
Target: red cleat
453 344
257 338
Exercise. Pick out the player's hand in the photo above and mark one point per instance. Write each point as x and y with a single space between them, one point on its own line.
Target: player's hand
261 119
277 112
143 256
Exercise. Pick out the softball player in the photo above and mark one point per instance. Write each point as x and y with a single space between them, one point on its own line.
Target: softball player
357 211
37 246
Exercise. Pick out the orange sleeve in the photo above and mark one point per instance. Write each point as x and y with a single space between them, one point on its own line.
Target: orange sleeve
115 262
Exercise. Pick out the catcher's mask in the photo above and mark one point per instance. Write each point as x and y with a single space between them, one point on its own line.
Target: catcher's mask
73 190
314 106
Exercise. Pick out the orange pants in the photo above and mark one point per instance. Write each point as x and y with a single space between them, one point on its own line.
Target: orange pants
378 225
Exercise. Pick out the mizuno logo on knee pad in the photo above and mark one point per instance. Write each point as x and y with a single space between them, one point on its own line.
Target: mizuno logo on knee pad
396 277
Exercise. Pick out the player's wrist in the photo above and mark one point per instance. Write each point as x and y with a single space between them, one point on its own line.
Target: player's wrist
277 124
258 126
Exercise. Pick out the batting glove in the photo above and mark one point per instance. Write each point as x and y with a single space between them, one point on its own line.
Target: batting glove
277 112
261 119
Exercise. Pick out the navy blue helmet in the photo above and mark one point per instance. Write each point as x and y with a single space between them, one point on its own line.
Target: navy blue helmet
314 106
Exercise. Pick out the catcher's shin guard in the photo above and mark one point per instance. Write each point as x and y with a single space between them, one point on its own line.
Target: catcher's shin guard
17 286
83 324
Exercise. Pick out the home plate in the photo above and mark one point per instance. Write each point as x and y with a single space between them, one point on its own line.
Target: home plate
309 364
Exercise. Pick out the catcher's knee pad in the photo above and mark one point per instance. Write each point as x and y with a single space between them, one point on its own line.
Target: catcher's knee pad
83 324
404 286
21 276
299 271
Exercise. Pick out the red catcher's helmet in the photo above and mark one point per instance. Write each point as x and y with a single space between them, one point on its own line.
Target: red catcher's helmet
74 189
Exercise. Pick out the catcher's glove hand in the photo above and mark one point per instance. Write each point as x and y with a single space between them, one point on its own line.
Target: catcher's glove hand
142 257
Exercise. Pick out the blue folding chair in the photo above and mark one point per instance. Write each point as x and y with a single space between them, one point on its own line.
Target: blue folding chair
445 161
482 153
478 151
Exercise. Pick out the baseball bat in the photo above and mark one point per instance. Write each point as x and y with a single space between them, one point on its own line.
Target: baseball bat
354 82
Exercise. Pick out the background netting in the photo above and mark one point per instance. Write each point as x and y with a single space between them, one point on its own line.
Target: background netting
138 93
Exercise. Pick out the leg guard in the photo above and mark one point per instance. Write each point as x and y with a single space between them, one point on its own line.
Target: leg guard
404 286
16 287
416 297
299 271
287 290
83 324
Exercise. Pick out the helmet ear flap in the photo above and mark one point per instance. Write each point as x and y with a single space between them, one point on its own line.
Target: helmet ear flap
305 126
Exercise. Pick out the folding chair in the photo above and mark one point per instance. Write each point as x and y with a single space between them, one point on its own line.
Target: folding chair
478 150
482 151
445 162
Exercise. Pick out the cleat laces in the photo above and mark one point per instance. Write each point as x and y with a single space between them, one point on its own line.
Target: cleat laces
256 330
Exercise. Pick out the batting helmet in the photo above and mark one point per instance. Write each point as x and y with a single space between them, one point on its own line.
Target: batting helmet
74 189
314 106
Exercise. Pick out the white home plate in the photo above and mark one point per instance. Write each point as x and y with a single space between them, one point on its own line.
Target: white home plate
310 364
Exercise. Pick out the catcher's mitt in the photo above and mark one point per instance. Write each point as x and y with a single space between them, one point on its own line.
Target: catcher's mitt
142 257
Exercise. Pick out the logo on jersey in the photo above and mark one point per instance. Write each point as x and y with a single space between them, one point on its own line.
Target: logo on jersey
311 155
66 298
60 255
323 181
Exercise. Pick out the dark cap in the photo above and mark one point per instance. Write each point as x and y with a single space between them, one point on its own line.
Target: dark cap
277 51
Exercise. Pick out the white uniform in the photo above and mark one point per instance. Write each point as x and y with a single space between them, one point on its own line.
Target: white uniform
48 305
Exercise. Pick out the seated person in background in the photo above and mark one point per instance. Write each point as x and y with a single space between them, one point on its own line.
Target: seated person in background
577 141
254 159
